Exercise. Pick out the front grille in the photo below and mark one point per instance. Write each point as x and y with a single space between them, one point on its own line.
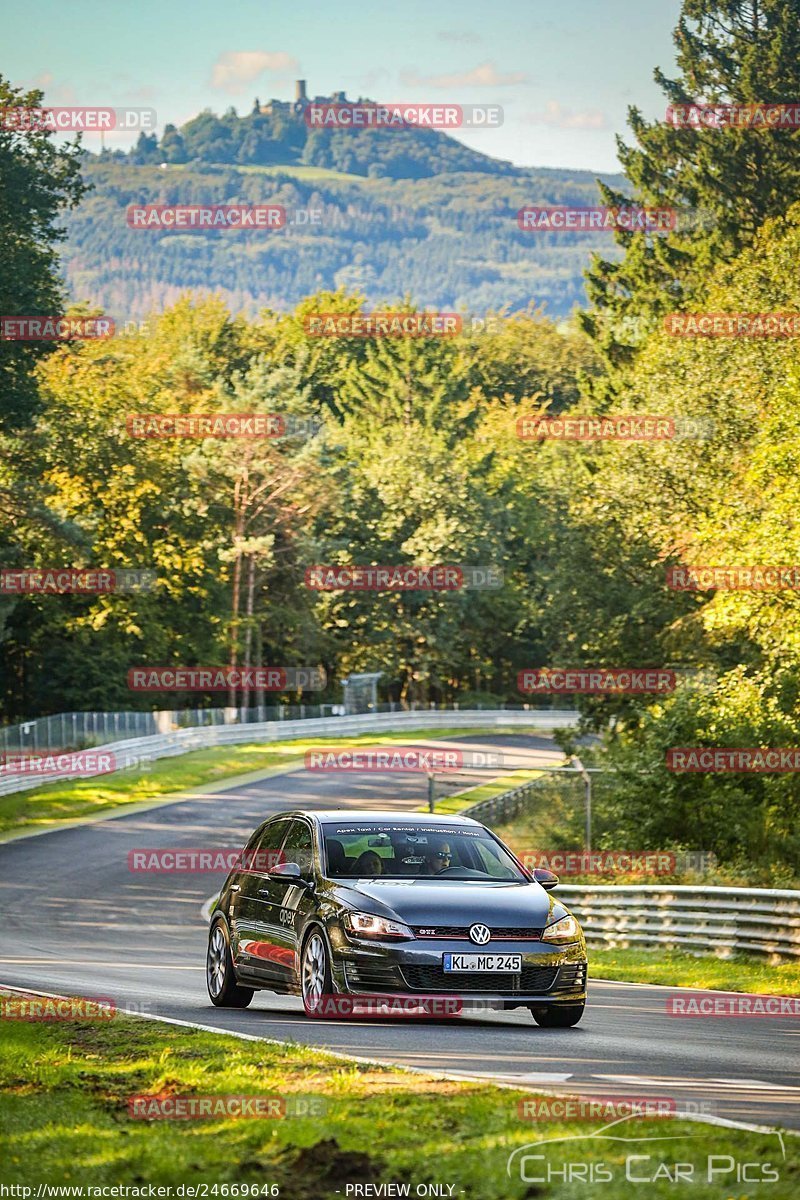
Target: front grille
435 979
451 932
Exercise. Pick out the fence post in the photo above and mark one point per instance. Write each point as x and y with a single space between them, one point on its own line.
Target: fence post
587 781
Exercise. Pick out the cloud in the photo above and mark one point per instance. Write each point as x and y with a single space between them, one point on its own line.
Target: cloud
234 69
484 75
567 118
458 35
56 91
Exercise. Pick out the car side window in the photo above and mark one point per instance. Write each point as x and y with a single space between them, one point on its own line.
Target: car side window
299 847
266 853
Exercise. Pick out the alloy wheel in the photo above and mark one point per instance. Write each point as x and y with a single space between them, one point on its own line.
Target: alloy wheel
215 963
314 971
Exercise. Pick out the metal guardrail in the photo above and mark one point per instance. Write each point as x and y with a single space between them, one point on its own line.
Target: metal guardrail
699 919
76 730
723 920
504 806
133 752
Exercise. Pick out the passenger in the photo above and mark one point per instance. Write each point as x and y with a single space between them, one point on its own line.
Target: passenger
368 863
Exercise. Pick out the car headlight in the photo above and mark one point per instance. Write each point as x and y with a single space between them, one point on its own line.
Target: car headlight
367 925
566 929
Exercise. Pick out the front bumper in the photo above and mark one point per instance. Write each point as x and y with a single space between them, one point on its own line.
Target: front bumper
550 974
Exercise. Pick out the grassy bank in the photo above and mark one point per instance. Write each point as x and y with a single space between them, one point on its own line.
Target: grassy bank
65 1119
458 801
554 822
741 973
73 800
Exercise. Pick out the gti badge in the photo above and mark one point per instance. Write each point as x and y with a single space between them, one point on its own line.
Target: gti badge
479 934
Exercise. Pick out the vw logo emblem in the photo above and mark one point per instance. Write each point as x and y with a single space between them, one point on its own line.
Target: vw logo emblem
479 934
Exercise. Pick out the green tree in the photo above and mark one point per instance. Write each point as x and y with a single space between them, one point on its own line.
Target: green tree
724 182
173 149
38 181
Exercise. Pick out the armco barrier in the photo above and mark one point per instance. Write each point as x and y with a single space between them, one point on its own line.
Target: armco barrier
80 730
720 919
135 751
504 806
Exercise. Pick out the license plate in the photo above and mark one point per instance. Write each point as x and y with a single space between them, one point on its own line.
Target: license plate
482 962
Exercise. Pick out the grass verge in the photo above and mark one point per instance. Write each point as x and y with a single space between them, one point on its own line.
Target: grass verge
458 801
675 968
65 1120
77 799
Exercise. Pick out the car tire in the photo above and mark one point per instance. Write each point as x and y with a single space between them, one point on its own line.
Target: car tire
563 1016
223 989
315 972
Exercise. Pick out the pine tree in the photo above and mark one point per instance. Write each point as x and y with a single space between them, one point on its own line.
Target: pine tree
724 182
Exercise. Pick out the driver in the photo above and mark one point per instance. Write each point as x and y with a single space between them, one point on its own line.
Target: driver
438 857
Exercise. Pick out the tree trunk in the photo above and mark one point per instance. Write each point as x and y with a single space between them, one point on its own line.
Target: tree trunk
248 630
237 586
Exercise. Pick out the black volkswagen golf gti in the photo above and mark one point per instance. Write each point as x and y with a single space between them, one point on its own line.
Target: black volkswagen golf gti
333 903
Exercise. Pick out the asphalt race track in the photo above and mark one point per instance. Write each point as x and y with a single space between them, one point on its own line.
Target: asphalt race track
77 921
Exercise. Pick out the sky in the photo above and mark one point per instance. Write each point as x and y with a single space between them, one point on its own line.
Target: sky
564 73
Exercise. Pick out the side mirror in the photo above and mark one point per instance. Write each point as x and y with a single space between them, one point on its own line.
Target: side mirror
545 878
291 873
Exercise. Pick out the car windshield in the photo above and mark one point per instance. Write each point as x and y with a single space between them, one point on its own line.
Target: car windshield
404 851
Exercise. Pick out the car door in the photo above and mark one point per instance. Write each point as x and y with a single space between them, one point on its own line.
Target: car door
290 901
251 917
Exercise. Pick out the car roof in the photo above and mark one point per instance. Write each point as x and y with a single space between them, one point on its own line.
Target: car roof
341 816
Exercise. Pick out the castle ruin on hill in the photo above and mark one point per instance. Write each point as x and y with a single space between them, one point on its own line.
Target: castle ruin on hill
296 107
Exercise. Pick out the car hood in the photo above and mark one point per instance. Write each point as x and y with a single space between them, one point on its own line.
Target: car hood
423 902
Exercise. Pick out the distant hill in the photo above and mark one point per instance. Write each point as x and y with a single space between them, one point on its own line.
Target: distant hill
278 134
404 212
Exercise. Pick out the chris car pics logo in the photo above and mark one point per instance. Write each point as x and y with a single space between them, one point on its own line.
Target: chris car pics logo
627 1151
